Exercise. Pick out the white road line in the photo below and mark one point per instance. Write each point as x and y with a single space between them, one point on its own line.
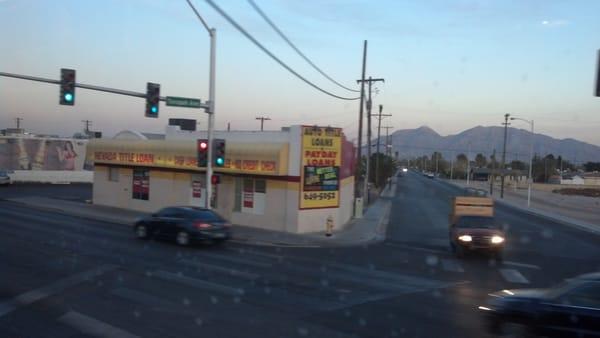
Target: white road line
513 276
415 248
57 287
141 298
198 283
221 269
452 265
234 259
522 265
93 327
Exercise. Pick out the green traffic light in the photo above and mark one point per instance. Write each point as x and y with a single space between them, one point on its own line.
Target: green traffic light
220 161
68 97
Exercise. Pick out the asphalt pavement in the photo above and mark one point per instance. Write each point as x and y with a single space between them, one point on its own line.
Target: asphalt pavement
64 276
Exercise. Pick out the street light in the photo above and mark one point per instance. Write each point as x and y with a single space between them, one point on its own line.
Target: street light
530 180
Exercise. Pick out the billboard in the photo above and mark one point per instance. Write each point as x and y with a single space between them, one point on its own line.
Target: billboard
21 153
320 171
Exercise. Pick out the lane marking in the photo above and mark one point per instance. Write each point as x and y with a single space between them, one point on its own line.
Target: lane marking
221 269
141 298
235 260
415 248
452 265
93 327
513 276
57 287
198 283
522 265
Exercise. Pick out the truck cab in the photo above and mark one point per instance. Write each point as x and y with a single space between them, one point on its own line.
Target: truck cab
473 227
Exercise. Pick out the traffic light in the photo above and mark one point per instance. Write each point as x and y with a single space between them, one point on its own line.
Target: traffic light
67 87
202 150
152 99
215 179
219 152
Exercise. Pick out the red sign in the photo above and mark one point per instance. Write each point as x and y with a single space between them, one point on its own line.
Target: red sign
248 200
196 189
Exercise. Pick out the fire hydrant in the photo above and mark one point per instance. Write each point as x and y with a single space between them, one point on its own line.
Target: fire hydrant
329 226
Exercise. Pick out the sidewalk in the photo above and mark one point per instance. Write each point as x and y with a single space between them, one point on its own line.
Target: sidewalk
578 211
370 228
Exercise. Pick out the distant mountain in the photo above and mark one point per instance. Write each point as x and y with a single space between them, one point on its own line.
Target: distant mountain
424 141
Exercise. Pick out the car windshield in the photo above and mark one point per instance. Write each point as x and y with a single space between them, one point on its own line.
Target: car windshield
478 222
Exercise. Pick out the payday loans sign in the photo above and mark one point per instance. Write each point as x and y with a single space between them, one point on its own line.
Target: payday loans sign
321 161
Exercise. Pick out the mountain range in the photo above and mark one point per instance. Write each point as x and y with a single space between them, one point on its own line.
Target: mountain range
424 141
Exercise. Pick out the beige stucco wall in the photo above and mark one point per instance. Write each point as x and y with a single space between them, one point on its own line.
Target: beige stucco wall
276 207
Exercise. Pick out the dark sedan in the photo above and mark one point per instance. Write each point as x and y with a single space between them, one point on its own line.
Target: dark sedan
571 309
184 225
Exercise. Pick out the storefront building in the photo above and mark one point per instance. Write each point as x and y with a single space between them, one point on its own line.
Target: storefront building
291 180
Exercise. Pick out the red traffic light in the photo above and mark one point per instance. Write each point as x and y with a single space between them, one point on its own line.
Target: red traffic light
215 179
203 145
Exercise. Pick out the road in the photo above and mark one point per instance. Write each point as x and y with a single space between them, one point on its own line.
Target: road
64 276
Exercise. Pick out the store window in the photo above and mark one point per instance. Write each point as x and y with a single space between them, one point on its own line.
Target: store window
253 196
113 174
141 184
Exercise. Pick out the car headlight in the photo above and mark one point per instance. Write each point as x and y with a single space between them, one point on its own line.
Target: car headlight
465 238
497 239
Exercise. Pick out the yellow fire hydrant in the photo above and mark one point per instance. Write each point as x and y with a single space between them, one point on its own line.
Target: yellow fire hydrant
329 226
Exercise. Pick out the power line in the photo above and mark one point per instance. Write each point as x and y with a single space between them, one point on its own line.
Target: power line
264 49
266 18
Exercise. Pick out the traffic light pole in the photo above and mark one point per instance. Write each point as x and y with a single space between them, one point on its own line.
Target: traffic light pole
211 115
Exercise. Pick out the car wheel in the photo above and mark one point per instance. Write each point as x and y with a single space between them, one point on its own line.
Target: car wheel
183 238
141 231
452 247
459 251
498 256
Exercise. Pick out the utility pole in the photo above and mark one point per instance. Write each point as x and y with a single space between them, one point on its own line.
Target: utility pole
506 116
262 121
452 166
380 116
212 33
437 159
469 164
87 124
360 122
388 144
369 106
18 120
493 172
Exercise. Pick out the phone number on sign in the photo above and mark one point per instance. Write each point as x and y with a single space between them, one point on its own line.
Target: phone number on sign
319 196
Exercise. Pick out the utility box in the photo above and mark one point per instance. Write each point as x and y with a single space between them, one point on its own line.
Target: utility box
358 207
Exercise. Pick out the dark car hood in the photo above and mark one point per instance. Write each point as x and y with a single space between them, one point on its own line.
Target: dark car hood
479 232
532 294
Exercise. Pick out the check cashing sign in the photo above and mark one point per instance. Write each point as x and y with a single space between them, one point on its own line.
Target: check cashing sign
320 172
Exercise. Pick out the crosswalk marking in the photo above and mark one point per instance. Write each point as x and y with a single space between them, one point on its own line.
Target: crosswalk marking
198 283
238 260
452 265
513 276
222 269
523 265
93 327
52 289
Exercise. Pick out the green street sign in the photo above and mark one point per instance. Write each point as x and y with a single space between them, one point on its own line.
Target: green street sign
183 102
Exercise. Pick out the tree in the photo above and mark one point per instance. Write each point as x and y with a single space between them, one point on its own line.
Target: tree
460 166
592 166
518 165
480 161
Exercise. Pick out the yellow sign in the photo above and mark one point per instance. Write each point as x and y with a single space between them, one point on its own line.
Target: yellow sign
182 155
320 168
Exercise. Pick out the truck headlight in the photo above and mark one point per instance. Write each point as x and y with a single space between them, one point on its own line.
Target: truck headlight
497 239
465 238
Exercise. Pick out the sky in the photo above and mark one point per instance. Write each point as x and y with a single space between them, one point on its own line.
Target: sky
450 65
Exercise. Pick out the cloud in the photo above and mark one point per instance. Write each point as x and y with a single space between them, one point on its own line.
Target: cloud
555 23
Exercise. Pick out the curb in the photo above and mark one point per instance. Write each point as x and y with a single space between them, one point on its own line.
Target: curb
558 219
